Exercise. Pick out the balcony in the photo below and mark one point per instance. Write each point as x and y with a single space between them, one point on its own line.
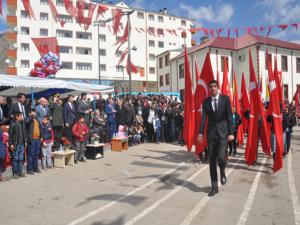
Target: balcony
11 54
11 36
12 4
12 20
11 70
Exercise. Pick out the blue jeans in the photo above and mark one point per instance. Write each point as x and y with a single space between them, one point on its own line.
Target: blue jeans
158 134
33 153
112 128
18 157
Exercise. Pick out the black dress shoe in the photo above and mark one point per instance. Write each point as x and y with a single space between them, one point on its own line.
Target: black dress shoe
213 192
223 179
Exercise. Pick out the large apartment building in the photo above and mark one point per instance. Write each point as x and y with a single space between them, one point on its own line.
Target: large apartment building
152 33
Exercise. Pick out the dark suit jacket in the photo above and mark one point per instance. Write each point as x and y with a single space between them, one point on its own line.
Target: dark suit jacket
69 113
82 107
57 114
15 108
218 123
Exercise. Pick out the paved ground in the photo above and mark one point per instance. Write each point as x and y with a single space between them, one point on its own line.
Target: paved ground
155 184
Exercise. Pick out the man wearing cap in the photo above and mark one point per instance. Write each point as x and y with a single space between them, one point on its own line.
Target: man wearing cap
84 108
57 120
69 117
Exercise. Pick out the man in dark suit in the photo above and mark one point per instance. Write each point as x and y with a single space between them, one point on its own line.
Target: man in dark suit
84 108
217 110
69 117
57 120
3 116
19 106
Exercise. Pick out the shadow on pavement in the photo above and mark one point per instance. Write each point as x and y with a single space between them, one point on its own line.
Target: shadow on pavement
132 200
118 221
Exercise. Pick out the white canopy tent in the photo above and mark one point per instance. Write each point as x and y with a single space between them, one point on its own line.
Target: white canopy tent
11 85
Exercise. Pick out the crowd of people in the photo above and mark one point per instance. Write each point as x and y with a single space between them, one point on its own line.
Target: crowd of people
37 129
46 125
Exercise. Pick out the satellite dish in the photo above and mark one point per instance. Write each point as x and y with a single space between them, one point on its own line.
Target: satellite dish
242 58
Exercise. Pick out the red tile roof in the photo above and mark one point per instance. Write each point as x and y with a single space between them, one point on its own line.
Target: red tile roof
242 42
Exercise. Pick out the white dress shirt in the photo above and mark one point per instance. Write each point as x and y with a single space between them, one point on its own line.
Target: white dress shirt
213 101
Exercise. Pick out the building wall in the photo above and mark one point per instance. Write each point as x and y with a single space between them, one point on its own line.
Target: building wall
140 58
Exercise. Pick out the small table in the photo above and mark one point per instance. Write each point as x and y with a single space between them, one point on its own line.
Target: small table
117 144
94 151
63 158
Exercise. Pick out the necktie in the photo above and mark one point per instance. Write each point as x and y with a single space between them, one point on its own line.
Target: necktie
23 111
215 104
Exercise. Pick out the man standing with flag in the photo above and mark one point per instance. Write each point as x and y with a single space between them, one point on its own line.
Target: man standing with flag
217 110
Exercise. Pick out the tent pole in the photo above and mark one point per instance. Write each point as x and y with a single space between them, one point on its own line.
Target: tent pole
32 97
94 102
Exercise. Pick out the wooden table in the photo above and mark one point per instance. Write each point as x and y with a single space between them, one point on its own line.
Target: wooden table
117 144
63 158
94 151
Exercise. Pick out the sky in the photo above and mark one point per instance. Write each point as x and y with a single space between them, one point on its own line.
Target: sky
227 14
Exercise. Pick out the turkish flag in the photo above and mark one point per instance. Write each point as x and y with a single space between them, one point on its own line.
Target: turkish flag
240 134
189 111
218 79
101 10
1 8
296 98
45 45
256 108
225 90
130 67
244 103
28 8
274 107
117 16
202 93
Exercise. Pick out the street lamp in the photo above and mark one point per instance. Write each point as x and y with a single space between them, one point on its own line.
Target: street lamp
98 23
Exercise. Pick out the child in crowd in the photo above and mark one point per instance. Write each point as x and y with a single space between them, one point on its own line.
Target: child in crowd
139 134
130 135
17 142
80 132
2 154
47 143
156 126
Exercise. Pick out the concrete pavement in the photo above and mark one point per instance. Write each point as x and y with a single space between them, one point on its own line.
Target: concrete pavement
155 184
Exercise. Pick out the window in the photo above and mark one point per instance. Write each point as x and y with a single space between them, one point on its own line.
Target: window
151 31
161 81
183 23
181 71
152 70
161 44
160 19
140 15
24 14
152 57
65 49
67 65
102 67
84 35
24 47
298 65
151 17
64 33
83 51
66 18
102 52
83 66
102 37
44 2
161 62
44 16
60 3
160 32
167 79
223 58
167 60
119 68
25 30
270 58
284 63
44 32
151 43
24 63
119 53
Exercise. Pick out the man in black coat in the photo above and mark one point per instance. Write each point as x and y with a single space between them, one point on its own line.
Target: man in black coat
217 110
69 117
84 108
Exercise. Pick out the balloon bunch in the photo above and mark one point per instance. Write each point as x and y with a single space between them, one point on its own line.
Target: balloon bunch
47 66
